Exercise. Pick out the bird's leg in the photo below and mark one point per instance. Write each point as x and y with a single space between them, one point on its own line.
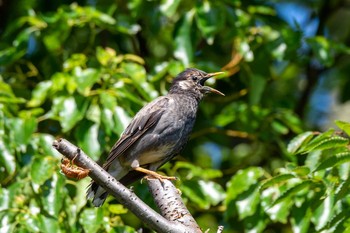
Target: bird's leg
153 174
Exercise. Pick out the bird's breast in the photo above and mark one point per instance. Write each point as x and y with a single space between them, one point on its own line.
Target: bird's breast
155 155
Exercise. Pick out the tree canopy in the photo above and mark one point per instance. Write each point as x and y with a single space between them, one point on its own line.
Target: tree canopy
262 158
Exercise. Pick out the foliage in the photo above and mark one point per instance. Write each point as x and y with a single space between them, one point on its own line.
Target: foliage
82 70
312 197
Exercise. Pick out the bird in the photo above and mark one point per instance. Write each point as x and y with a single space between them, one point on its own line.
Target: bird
156 134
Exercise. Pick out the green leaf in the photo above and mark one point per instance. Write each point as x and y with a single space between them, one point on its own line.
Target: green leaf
59 81
321 46
213 192
40 93
48 224
296 189
342 190
315 141
276 180
22 130
248 201
183 45
255 223
257 87
108 100
313 159
42 169
101 18
279 212
226 116
31 223
7 153
169 7
52 41
6 91
324 212
127 94
301 171
85 79
203 193
108 122
242 181
114 118
7 223
335 224
334 160
117 209
196 171
105 55
296 143
246 51
87 135
135 71
43 143
279 128
7 157
121 118
53 193
11 54
94 113
327 143
138 76
10 196
210 19
345 126
301 217
80 197
91 219
4 199
71 110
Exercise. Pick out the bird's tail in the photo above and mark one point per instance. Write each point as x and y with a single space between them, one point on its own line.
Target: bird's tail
97 194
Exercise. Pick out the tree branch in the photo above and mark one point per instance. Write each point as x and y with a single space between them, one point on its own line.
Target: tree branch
176 216
169 202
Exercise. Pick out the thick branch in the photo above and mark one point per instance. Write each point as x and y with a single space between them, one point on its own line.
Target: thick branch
168 200
123 194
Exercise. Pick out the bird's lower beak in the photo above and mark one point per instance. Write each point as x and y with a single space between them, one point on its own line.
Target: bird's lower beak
212 90
209 89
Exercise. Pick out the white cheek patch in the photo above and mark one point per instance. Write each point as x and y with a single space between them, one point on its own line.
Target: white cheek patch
184 85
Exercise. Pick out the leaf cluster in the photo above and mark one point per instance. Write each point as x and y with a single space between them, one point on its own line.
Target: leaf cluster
82 70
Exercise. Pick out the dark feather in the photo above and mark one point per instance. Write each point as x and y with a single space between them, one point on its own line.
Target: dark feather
139 125
131 177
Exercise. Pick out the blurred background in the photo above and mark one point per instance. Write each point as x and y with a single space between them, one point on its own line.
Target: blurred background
81 70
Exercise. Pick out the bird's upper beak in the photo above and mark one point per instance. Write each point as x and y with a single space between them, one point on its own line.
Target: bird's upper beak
209 89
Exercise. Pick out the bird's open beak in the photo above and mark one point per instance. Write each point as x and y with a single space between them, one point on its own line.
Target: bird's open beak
209 89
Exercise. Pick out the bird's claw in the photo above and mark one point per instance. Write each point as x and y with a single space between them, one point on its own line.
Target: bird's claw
160 177
154 175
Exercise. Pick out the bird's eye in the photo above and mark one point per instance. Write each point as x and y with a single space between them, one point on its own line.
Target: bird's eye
194 78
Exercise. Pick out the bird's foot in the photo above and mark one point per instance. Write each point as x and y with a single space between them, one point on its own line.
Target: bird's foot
160 177
154 175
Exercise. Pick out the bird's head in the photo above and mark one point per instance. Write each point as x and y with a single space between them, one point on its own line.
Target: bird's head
192 81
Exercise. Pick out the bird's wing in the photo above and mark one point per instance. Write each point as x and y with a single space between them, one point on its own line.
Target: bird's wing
141 123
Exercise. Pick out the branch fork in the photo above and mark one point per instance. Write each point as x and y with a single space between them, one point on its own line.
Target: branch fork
174 216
